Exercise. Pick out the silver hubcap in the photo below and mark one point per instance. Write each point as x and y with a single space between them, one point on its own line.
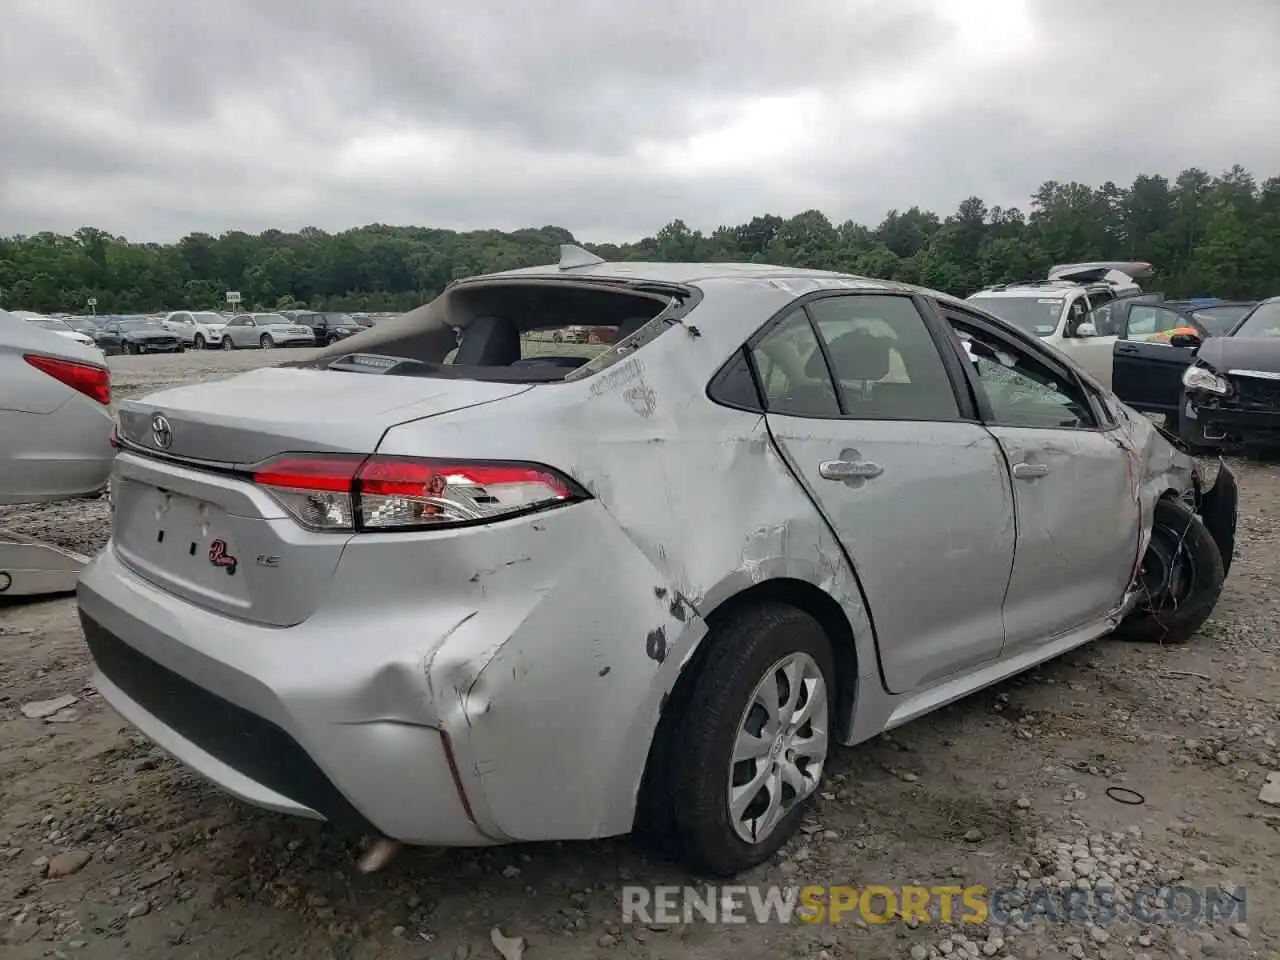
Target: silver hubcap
781 747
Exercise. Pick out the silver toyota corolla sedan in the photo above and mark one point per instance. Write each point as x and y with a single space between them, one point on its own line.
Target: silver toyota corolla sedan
514 589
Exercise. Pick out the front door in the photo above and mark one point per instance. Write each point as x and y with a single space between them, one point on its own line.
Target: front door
1088 346
1146 369
860 403
1075 488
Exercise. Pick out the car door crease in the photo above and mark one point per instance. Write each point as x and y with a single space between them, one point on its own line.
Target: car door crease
844 551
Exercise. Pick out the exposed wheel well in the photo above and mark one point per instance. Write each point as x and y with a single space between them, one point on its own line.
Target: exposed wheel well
822 607
797 593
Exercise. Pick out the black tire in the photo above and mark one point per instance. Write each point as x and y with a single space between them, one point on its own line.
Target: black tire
226 343
265 341
182 348
131 348
686 806
199 343
331 341
1173 612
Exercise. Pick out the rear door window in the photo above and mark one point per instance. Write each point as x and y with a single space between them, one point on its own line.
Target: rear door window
793 371
884 360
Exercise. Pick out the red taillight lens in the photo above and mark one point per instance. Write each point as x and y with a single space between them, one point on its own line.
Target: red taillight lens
375 494
318 491
94 382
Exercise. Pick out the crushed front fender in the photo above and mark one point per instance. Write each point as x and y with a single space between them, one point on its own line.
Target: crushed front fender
1219 509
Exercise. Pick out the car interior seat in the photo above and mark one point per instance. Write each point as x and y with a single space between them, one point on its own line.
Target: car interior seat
489 342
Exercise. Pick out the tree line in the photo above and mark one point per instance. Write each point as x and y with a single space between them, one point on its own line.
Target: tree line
1206 235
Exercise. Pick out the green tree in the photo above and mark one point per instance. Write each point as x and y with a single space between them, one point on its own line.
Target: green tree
1206 235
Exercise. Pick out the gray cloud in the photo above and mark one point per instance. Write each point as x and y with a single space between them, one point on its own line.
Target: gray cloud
609 117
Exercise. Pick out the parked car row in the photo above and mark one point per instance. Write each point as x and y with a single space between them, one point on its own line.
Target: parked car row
1218 391
207 330
204 329
1211 367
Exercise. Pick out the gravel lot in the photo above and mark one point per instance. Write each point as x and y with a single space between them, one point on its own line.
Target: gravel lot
108 848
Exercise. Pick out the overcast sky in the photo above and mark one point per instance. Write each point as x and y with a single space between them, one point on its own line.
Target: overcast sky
154 118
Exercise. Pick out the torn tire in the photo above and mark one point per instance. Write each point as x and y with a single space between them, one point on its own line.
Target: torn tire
1181 579
748 751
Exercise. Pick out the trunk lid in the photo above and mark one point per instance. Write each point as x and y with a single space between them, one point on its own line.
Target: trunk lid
192 527
245 419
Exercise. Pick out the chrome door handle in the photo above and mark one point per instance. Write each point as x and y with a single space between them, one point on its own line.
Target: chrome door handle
1030 471
849 470
1126 349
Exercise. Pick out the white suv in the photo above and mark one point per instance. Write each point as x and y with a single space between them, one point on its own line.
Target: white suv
201 330
1064 309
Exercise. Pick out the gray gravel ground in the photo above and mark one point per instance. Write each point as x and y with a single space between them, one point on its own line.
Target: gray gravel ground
109 849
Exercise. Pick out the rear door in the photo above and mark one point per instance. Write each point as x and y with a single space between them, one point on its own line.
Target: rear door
864 406
1077 512
1147 372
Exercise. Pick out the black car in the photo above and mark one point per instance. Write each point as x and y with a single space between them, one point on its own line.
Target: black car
1219 391
1219 316
328 327
137 336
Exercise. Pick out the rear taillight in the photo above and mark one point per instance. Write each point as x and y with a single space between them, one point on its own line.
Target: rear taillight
382 494
93 381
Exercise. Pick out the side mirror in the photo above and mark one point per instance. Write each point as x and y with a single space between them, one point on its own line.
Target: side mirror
1086 330
1188 341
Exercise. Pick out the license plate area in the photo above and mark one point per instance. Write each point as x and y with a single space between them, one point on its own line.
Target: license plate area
181 542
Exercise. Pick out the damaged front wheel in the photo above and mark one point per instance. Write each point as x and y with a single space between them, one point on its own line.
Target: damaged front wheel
1180 579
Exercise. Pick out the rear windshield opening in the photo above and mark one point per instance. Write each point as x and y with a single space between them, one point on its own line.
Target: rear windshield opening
516 331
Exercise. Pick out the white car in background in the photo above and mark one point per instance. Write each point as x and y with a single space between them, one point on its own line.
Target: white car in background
1064 309
54 325
55 431
199 329
265 330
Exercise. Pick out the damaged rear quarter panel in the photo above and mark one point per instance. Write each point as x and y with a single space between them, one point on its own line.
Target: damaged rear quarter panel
562 695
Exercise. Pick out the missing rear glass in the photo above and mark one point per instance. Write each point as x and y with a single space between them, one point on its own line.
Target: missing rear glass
515 331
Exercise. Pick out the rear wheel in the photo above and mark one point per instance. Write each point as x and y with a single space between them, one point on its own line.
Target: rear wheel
199 343
266 342
1181 578
743 759
227 344
130 348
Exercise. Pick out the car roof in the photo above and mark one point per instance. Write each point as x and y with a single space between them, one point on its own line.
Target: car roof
1057 289
1051 288
688 273
796 280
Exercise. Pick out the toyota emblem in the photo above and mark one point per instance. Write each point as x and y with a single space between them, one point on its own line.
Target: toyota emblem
161 432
